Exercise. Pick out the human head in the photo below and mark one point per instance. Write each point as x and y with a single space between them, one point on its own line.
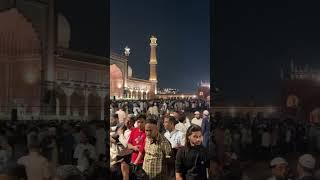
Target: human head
151 128
182 117
193 136
130 120
83 136
176 114
34 145
306 164
115 116
141 122
169 123
205 113
197 114
279 167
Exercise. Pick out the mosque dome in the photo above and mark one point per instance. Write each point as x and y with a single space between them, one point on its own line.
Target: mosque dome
129 71
64 31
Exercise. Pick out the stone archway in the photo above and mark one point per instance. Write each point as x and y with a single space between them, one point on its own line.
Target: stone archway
116 81
61 102
20 61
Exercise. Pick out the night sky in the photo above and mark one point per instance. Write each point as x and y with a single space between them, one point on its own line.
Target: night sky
89 25
254 39
182 29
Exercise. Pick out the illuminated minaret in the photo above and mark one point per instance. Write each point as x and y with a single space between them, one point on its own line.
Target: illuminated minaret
153 63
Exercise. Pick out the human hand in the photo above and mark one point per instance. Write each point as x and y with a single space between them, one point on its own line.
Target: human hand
135 148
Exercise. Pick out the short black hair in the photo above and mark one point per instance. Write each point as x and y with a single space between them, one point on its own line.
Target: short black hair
173 120
182 117
132 119
141 116
151 121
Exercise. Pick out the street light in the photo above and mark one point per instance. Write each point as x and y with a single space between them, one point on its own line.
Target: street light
126 51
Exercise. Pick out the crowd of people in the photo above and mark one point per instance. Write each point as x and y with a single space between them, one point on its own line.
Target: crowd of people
161 139
230 143
240 140
58 150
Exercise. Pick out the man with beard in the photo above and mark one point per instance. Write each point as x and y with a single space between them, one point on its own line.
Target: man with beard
192 160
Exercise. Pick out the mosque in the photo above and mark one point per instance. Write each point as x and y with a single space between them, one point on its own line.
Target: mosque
300 98
123 85
40 76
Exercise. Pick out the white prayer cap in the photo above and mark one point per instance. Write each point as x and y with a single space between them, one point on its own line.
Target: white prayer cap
197 112
277 161
307 161
206 112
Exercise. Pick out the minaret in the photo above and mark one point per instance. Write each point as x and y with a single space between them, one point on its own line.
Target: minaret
153 63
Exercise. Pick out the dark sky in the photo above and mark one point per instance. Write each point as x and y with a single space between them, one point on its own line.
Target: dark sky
89 25
254 39
182 29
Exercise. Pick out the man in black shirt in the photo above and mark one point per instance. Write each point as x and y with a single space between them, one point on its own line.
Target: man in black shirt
192 160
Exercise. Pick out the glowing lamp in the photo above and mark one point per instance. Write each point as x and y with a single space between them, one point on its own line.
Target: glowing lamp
126 51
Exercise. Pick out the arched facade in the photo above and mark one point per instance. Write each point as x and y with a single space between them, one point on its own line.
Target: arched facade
116 81
132 88
20 63
78 81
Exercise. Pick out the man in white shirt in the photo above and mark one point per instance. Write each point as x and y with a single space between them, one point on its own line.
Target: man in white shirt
183 122
176 137
136 110
36 166
153 110
84 153
124 135
197 119
123 139
121 115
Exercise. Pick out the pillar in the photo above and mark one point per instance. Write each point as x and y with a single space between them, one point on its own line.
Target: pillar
57 107
102 95
86 100
68 92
